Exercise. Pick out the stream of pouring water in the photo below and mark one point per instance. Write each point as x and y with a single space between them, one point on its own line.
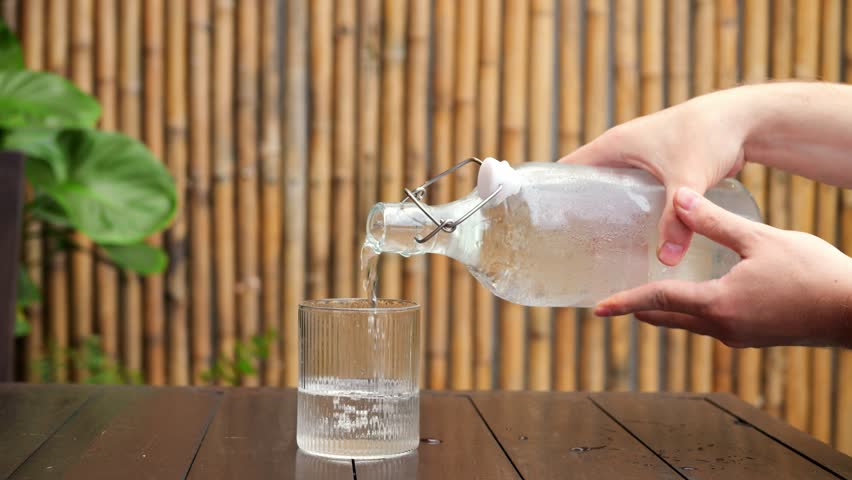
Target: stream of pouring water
370 271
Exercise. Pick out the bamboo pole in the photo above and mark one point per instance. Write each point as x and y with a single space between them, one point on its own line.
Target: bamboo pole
513 132
754 176
176 158
223 177
416 134
488 120
570 136
467 60
726 76
295 169
704 77
199 186
82 70
444 73
10 14
319 206
32 39
105 85
803 195
270 157
369 65
626 37
541 65
827 224
248 241
346 18
154 87
677 348
779 188
651 68
843 423
130 107
392 162
592 341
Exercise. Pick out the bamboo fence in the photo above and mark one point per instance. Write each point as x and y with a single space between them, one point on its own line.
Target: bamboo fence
283 122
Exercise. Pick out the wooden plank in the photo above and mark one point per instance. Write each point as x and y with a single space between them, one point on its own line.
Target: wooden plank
540 149
295 169
120 431
270 161
200 269
443 72
248 108
464 123
176 157
570 137
754 176
466 448
806 445
596 110
702 441
803 203
416 144
652 37
779 187
703 80
30 414
547 435
488 122
254 436
677 340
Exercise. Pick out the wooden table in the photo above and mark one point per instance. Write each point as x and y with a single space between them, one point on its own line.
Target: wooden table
86 432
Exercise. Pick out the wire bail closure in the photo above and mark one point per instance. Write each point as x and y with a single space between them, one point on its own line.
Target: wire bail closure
445 225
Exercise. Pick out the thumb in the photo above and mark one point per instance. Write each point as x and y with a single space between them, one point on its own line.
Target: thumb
714 222
674 235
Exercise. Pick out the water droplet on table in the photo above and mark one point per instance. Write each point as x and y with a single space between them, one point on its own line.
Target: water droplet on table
430 441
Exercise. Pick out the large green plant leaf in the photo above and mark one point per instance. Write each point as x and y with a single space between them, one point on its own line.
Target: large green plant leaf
109 185
139 257
45 165
11 57
40 99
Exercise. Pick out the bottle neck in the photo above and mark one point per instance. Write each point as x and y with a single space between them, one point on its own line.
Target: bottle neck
393 227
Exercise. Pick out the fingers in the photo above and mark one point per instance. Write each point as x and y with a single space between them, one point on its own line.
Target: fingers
676 320
674 235
668 296
706 218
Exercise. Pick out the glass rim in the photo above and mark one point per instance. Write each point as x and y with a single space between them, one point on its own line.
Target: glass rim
351 305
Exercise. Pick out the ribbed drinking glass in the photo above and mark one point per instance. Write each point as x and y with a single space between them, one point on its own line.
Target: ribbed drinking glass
358 378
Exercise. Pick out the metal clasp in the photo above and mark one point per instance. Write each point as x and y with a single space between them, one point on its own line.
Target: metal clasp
445 225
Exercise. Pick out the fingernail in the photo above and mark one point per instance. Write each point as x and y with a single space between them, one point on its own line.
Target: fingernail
670 253
603 311
686 198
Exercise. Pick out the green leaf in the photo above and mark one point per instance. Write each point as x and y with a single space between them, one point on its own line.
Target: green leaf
41 99
45 165
139 257
28 293
116 191
11 57
22 326
46 209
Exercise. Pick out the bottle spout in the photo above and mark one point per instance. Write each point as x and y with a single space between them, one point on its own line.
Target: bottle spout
393 228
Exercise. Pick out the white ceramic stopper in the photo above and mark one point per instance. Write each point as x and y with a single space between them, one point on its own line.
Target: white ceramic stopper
494 173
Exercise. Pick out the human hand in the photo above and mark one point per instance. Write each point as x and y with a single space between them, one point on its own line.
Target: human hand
695 144
790 288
